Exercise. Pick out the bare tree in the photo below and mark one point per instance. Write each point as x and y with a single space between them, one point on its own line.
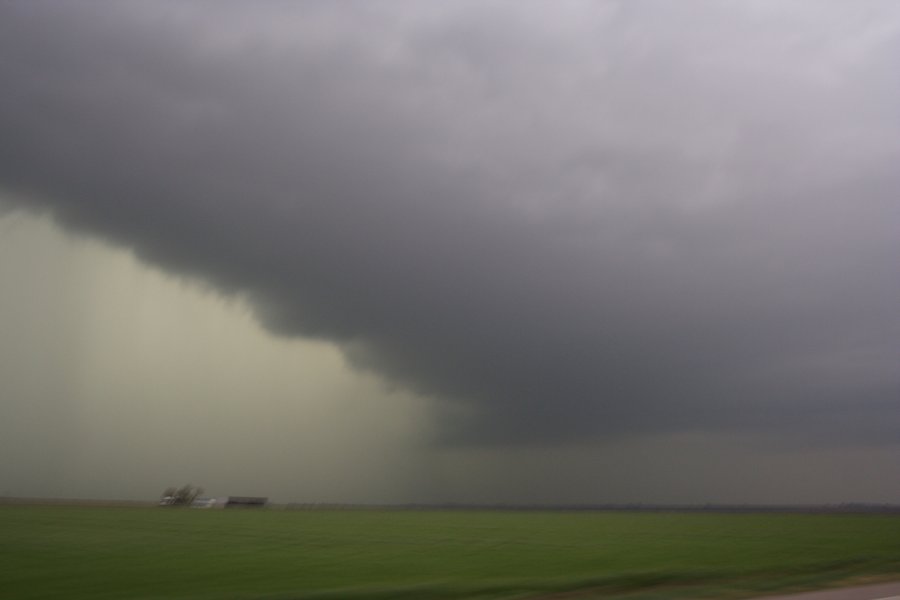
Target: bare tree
183 496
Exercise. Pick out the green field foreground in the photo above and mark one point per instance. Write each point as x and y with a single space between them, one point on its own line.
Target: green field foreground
153 553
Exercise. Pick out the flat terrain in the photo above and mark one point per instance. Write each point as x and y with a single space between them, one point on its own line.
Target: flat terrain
153 553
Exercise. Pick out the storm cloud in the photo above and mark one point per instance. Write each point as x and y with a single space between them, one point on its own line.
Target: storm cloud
560 222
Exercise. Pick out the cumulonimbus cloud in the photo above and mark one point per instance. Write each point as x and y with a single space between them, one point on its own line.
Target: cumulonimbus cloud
560 222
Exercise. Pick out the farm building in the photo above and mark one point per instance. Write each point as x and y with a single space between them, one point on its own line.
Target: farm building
245 502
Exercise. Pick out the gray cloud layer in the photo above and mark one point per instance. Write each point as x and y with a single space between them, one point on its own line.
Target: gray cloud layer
561 222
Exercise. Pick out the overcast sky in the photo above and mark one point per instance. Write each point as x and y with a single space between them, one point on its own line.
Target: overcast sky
637 251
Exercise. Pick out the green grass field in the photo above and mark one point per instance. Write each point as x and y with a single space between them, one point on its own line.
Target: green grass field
144 553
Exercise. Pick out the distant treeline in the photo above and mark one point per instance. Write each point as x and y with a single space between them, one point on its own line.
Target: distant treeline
13 500
844 508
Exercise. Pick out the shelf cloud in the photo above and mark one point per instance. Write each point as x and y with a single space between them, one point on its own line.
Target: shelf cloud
560 222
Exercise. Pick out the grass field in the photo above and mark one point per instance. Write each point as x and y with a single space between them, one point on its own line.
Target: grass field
154 553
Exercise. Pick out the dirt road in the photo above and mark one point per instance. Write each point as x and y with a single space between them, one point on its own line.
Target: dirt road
881 591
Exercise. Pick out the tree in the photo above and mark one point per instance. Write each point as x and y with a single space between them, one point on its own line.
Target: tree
183 496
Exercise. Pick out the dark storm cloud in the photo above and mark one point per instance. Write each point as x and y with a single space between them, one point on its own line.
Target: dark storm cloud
560 222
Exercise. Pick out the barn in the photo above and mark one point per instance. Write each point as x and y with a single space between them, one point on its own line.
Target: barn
245 502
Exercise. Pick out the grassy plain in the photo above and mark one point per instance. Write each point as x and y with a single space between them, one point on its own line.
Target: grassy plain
155 553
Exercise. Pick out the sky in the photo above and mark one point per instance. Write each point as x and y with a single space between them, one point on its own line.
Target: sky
483 252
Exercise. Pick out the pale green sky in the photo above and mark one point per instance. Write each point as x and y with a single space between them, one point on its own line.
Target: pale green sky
120 380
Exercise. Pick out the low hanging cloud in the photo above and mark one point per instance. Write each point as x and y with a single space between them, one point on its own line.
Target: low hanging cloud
561 222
